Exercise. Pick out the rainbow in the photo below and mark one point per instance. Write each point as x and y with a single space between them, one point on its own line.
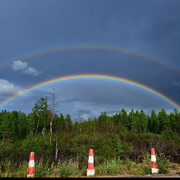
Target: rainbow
96 76
91 47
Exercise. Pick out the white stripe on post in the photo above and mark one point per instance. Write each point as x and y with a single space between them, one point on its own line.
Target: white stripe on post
154 170
153 158
31 163
91 159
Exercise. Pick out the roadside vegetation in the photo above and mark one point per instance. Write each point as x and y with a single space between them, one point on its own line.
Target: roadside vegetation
121 142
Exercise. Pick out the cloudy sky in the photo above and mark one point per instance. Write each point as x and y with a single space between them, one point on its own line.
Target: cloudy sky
134 39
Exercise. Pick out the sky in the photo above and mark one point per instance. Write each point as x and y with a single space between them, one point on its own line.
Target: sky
137 40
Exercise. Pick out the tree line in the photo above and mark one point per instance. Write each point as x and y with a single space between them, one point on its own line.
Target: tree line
55 137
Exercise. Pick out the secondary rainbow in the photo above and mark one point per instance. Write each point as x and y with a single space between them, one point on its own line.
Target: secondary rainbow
97 76
91 47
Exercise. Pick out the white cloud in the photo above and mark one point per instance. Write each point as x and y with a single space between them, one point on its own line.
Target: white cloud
19 65
25 68
32 71
8 88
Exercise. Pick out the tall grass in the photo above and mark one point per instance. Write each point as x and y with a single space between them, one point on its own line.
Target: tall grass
71 168
110 167
66 169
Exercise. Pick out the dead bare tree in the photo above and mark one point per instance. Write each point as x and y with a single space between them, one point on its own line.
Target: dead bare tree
54 105
52 113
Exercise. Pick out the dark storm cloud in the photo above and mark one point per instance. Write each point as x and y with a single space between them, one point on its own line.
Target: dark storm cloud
149 27
123 22
75 100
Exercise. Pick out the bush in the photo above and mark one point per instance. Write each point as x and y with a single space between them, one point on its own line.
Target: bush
39 170
163 163
146 163
64 172
67 168
147 170
21 171
128 164
111 167
6 168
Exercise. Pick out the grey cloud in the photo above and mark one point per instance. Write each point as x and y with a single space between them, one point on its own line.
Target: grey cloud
75 100
32 71
176 83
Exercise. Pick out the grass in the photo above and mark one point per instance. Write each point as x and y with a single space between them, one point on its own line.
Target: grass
108 167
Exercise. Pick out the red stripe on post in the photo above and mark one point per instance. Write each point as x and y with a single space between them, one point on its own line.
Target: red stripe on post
31 170
152 151
153 164
31 157
91 152
90 166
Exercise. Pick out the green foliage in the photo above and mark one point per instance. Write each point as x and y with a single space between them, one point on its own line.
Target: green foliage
164 122
6 169
39 171
118 147
128 163
21 170
60 123
41 115
111 167
145 163
154 123
121 142
163 163
68 122
68 168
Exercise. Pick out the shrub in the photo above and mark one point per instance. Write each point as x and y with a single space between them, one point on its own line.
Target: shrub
21 171
68 168
39 172
146 163
128 164
163 163
111 167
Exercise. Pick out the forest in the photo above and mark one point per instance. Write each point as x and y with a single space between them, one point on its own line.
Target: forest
55 138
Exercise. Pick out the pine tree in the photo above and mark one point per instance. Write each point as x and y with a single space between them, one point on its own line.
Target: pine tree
61 123
41 115
143 122
8 126
164 123
177 120
131 120
117 122
68 122
102 121
22 125
154 124
173 122
118 147
124 119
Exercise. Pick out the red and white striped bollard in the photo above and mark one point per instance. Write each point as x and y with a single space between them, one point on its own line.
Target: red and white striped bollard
31 169
153 162
90 170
